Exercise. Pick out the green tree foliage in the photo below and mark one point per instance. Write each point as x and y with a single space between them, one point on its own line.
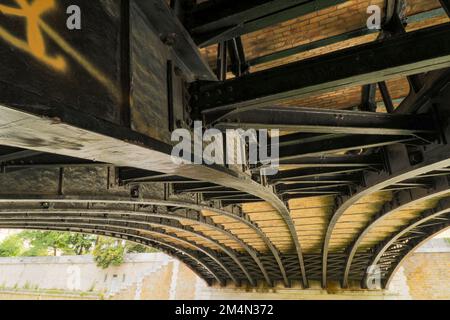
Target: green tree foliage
81 243
12 246
46 242
108 252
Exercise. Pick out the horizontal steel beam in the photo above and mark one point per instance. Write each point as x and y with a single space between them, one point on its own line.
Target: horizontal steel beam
214 21
341 144
91 202
128 235
139 226
336 39
333 161
313 174
63 131
377 61
330 121
18 155
79 135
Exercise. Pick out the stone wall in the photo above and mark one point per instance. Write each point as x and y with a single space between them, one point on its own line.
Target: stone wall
424 275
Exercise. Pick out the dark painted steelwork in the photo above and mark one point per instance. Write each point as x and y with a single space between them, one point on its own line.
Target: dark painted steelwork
430 233
300 175
42 216
311 46
437 218
334 161
341 144
239 65
199 220
19 155
212 22
139 226
368 98
436 159
153 155
325 121
332 71
108 231
434 82
243 218
446 6
386 97
401 201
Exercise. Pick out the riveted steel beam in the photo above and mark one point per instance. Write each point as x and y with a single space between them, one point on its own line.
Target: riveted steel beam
430 223
106 142
436 159
131 216
17 155
89 201
341 145
330 121
42 216
334 161
174 251
402 201
299 175
212 22
378 61
131 225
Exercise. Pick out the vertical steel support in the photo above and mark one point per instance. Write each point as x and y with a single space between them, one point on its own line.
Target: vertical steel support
386 97
222 63
125 63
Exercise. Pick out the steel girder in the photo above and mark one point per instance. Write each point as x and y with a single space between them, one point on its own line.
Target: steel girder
446 5
142 203
174 251
341 145
313 174
378 61
332 161
307 120
213 22
401 201
390 254
435 159
138 226
131 216
106 142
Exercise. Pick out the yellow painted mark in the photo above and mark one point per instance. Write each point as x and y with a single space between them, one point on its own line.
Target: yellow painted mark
35 44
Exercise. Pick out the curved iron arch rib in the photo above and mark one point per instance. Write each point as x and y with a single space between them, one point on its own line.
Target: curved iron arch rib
107 214
113 135
135 238
436 159
168 203
441 214
223 248
400 202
